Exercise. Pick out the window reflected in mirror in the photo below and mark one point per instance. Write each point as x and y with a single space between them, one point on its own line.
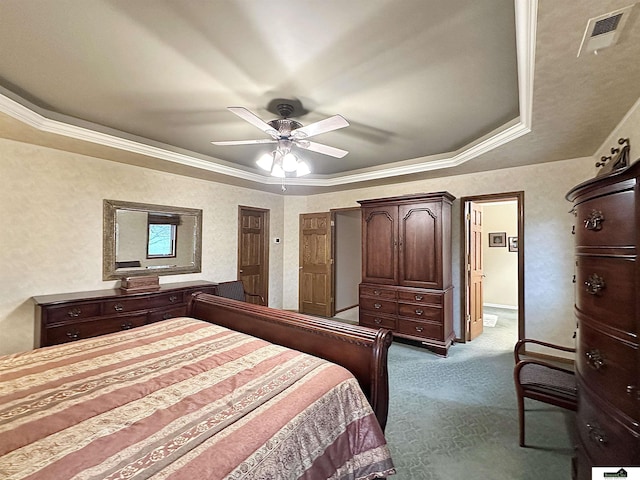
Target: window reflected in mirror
143 239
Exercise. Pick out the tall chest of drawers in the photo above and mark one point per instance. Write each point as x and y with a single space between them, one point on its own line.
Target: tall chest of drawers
406 268
67 317
607 306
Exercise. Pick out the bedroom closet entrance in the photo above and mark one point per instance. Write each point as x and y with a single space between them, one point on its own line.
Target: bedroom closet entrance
330 263
492 266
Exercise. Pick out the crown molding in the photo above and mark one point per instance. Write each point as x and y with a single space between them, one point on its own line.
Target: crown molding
525 19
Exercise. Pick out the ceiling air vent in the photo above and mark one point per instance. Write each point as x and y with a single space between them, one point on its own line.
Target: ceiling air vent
603 31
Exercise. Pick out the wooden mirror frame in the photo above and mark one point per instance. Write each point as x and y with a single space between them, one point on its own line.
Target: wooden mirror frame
109 270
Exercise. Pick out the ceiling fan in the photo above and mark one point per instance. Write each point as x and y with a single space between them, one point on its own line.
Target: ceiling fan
286 134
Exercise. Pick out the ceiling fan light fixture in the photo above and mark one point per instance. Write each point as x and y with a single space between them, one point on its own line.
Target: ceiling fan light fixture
303 169
277 171
289 162
265 162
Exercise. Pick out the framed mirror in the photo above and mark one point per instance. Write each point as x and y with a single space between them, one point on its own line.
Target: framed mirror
143 239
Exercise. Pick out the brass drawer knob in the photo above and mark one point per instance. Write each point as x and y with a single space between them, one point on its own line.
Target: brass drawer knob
419 311
74 312
376 306
73 335
118 307
596 434
595 359
419 329
594 284
419 297
594 220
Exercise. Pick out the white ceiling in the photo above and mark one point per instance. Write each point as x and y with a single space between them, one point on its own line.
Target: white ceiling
430 87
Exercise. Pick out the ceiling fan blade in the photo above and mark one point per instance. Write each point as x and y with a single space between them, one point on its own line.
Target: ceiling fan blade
245 142
254 120
321 148
322 126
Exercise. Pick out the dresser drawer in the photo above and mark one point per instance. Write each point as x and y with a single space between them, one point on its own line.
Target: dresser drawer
377 321
420 297
610 367
606 221
420 312
374 305
378 292
94 328
420 329
71 312
605 289
605 441
166 314
122 305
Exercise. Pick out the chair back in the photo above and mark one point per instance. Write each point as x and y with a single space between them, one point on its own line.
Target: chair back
233 289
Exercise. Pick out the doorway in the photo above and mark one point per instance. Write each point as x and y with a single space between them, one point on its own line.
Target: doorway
330 262
493 231
253 251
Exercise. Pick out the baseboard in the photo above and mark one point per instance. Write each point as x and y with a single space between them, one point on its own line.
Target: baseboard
497 305
346 308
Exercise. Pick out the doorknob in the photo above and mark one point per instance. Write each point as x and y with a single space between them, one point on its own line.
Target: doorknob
241 271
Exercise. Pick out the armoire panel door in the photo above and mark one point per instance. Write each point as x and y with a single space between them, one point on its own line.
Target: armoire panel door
380 245
420 240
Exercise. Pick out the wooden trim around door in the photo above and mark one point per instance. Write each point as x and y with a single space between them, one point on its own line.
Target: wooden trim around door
488 198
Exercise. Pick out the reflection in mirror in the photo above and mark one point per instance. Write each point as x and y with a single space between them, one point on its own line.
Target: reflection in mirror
142 239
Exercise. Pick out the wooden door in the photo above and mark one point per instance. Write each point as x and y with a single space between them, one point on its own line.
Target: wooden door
474 270
253 251
316 264
420 238
380 244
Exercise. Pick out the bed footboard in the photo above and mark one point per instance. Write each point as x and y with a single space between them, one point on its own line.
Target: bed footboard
361 350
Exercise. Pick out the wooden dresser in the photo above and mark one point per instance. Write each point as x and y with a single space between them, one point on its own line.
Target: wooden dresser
71 316
406 268
607 305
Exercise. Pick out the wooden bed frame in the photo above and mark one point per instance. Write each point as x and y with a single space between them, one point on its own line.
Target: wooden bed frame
361 350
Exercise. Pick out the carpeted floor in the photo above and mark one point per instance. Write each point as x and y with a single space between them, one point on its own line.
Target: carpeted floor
456 418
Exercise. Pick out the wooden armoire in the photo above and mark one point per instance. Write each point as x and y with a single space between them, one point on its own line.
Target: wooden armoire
607 306
406 268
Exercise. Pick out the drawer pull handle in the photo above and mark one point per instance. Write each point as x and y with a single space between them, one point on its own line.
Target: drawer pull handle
74 312
419 329
126 326
595 359
75 335
419 311
376 292
419 297
595 284
173 298
596 434
377 321
166 316
632 390
118 307
376 305
594 221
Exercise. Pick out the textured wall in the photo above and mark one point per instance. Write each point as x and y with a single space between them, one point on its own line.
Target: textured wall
549 243
500 285
51 220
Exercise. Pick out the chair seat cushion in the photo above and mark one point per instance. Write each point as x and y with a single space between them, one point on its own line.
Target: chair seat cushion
546 380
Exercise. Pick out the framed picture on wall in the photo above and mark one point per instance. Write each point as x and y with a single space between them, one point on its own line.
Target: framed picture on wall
513 244
498 239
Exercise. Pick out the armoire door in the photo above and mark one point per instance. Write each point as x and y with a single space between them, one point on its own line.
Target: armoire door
420 238
380 245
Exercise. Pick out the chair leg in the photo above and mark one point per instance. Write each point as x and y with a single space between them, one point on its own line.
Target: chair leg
521 419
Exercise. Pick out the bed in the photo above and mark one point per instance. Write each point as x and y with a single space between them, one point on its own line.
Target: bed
220 393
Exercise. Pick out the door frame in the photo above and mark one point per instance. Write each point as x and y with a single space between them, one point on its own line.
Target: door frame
518 196
334 240
265 247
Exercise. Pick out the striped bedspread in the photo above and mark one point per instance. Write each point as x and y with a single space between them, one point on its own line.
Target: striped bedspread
183 399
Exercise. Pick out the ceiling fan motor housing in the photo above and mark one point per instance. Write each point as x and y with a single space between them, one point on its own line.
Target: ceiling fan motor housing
284 126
